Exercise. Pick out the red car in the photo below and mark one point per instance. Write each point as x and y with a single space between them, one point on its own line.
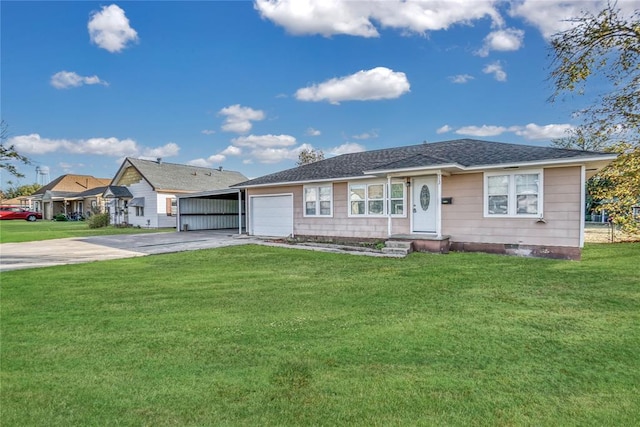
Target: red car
19 213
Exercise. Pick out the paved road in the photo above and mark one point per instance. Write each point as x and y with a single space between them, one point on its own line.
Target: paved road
15 256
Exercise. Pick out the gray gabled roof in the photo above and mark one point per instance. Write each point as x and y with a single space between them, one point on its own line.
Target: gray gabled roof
117 191
174 177
461 154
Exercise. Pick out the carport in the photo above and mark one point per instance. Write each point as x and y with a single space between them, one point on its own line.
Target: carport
211 210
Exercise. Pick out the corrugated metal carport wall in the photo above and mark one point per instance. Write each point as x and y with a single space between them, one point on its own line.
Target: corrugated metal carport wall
216 210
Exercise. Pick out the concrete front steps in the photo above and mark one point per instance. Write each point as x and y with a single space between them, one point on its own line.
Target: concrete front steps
398 247
402 245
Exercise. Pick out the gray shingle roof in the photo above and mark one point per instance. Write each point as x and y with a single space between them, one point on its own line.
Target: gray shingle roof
176 177
464 153
118 191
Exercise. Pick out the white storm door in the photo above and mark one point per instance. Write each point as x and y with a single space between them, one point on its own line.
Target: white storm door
272 215
424 199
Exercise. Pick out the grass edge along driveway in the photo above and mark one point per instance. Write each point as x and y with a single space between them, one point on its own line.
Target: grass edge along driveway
256 335
17 231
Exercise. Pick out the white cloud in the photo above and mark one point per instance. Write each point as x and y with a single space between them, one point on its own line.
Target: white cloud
110 29
357 18
461 78
273 155
509 39
346 148
495 68
210 162
264 141
531 131
366 135
534 131
199 162
111 147
208 131
481 131
366 85
444 129
216 158
168 150
238 118
554 16
67 79
313 132
231 151
262 148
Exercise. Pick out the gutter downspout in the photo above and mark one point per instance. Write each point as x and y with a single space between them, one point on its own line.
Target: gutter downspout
439 205
178 217
239 211
389 206
583 175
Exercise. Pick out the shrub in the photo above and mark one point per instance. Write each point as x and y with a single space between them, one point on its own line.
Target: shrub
60 217
98 220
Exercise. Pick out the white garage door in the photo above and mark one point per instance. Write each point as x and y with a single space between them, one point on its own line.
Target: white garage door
272 215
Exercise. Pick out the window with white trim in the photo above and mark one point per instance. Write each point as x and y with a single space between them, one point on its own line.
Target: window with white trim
376 199
517 194
396 199
318 200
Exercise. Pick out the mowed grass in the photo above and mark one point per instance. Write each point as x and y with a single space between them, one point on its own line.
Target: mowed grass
16 231
263 336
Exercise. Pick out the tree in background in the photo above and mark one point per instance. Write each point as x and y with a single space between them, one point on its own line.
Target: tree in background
309 155
14 191
8 153
604 48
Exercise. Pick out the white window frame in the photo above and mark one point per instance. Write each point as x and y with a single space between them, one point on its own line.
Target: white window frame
317 187
386 199
511 193
404 199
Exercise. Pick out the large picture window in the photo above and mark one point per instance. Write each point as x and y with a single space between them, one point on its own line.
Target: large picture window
318 200
376 199
517 194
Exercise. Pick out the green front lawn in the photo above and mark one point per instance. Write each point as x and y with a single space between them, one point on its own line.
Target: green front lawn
259 336
24 231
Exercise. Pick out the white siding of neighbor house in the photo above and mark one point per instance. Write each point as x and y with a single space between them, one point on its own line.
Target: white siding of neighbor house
163 219
464 219
143 189
338 225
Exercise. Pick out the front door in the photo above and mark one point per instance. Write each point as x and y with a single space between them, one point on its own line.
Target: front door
425 199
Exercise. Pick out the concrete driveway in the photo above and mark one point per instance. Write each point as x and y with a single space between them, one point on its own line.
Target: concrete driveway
15 256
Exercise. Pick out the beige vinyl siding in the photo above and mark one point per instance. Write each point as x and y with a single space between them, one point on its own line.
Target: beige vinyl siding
464 221
338 225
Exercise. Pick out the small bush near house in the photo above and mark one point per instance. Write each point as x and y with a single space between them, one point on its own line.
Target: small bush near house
98 220
60 217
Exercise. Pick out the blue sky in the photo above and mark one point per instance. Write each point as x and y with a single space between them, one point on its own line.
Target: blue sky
246 85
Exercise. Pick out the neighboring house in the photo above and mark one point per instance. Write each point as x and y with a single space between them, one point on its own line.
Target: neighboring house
461 195
21 202
89 202
144 192
61 196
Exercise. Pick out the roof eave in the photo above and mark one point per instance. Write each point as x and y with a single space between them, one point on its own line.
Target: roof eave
577 161
308 181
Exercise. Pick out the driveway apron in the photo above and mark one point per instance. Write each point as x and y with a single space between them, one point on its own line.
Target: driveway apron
15 256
